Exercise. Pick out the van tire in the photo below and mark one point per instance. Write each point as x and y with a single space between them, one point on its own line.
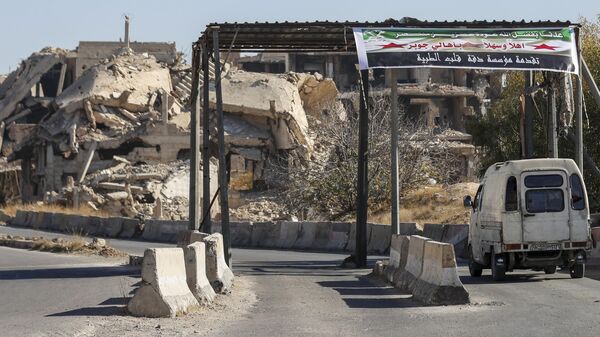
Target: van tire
550 270
498 271
475 269
577 270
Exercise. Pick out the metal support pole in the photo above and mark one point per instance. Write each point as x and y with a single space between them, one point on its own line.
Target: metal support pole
587 75
194 191
206 196
529 108
393 82
552 127
363 181
579 123
222 159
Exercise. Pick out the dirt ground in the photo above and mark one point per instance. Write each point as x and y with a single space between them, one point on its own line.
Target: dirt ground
433 204
225 309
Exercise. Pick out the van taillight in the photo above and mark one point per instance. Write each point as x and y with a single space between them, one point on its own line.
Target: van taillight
579 244
512 246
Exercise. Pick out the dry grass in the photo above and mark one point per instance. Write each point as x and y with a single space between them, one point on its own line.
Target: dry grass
75 244
432 204
83 210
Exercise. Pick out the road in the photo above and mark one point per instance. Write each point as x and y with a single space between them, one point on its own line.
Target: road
299 294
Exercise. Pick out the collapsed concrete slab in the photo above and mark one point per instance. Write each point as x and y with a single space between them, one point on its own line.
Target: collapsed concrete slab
195 268
128 81
164 291
272 101
217 271
18 84
439 283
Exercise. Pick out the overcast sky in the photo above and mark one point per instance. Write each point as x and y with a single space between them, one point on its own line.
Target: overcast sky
28 26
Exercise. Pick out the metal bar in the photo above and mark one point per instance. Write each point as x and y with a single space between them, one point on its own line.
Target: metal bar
587 75
529 106
207 221
579 123
363 181
393 82
552 126
222 156
212 201
194 189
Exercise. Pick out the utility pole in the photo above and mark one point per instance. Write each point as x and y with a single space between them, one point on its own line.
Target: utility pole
392 76
222 159
529 107
194 192
363 181
552 127
206 196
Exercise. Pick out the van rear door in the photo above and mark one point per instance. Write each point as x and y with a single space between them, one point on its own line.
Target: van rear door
545 210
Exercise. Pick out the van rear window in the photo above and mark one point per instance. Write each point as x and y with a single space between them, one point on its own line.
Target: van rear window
577 195
549 180
545 201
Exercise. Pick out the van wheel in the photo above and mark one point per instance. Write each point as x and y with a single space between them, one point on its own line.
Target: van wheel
475 269
578 270
550 270
498 268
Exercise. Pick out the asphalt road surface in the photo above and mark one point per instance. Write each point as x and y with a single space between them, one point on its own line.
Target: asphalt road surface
299 294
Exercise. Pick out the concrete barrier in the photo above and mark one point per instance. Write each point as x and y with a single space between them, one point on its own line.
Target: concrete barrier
265 234
218 273
434 232
457 236
438 283
241 234
398 254
163 230
195 268
414 263
130 228
288 234
19 220
164 291
379 239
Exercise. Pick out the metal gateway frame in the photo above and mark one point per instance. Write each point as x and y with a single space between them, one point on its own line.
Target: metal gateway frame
317 37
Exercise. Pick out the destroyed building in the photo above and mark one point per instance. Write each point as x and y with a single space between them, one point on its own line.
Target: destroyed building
108 127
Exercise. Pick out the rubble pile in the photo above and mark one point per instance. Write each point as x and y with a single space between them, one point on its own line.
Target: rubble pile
115 135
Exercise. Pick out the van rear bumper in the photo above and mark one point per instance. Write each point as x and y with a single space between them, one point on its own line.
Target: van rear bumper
546 246
538 259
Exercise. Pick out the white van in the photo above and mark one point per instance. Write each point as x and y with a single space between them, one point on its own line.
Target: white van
529 214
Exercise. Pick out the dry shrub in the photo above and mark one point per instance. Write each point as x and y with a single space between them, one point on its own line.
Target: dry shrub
53 208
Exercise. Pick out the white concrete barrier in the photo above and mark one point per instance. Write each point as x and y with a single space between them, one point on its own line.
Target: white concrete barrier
218 273
438 283
398 253
414 263
164 291
195 268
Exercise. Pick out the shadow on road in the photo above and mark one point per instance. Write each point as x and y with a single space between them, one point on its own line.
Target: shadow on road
112 310
61 273
293 268
510 278
362 293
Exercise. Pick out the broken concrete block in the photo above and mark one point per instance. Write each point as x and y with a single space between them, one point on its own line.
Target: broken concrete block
164 291
195 268
217 270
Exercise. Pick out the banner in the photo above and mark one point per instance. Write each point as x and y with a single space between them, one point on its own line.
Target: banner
550 49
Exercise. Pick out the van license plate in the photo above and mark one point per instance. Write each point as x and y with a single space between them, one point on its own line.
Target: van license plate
544 246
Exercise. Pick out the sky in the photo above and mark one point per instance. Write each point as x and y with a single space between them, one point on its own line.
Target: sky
28 26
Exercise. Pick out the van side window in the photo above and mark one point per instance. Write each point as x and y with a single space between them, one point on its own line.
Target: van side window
511 202
478 196
577 195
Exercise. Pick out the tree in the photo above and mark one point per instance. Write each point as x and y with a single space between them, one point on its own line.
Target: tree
326 185
497 132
